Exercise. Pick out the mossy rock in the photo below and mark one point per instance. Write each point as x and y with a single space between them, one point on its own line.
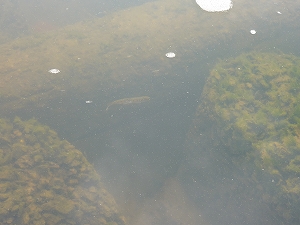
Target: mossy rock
60 205
37 180
253 100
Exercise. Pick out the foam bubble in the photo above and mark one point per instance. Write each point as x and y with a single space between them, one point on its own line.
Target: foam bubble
54 71
170 54
215 5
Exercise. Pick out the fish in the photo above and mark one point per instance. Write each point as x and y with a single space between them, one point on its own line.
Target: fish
128 101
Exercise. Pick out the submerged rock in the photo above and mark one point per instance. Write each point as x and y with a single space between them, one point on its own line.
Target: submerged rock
45 180
244 143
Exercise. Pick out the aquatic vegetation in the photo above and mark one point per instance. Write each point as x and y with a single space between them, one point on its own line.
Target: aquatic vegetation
45 180
254 101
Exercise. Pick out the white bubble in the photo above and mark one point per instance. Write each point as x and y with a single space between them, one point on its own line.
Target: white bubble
252 31
54 71
215 5
170 54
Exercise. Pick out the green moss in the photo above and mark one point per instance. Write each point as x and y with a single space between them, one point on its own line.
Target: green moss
254 99
60 204
5 157
294 166
18 123
295 115
44 179
38 158
295 71
5 127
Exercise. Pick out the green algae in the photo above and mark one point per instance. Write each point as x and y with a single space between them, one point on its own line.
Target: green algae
59 204
254 99
44 179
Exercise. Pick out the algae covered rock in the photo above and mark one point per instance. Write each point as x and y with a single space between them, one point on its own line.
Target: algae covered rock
45 180
244 143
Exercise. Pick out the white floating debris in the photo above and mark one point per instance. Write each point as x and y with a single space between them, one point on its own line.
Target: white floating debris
170 54
215 5
252 31
54 71
279 13
88 102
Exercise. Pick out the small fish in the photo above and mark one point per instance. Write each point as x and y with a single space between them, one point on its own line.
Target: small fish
127 101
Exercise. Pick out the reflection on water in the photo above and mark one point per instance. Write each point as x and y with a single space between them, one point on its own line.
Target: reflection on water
142 151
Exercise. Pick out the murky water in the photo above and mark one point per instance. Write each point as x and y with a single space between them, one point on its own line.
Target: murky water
110 51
